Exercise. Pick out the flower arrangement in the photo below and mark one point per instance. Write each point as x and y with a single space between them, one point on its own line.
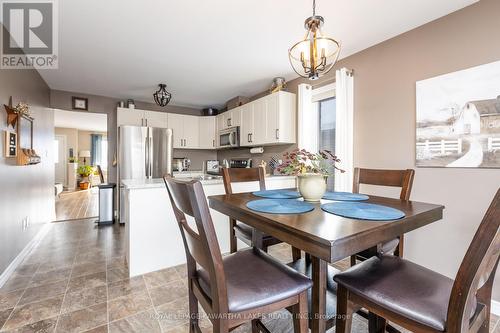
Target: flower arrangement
22 109
300 161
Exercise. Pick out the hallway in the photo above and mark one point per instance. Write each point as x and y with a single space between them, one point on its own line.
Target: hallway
77 205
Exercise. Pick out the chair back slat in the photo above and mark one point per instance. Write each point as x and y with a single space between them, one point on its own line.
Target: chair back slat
201 246
474 280
240 175
379 177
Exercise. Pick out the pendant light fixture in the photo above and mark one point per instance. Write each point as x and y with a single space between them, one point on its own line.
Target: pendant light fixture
162 96
315 55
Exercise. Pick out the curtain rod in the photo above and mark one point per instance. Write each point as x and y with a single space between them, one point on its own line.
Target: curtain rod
350 72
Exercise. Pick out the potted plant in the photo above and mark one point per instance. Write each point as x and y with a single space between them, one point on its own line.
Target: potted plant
85 171
312 171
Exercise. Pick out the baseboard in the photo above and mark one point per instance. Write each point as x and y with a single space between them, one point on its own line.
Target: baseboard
6 274
495 307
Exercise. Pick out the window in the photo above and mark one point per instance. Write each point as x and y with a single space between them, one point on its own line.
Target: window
326 129
104 154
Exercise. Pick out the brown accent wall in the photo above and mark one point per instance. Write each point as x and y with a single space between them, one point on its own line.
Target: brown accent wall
384 124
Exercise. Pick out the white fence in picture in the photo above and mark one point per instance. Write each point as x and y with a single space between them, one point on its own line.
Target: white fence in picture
493 144
427 149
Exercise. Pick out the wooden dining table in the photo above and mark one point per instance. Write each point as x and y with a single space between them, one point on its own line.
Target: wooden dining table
327 238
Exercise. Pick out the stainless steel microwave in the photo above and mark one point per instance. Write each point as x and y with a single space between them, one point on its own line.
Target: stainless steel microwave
229 137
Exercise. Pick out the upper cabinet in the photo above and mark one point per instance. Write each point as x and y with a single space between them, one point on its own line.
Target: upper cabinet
137 117
269 120
207 132
186 130
229 118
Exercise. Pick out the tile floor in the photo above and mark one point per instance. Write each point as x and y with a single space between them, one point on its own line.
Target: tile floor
76 281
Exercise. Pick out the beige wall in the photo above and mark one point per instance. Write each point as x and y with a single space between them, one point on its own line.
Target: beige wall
25 191
384 125
71 138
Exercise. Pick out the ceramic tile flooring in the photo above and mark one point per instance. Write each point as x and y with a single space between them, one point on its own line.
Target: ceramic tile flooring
76 281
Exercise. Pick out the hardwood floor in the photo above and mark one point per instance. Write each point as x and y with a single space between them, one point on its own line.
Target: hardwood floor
77 205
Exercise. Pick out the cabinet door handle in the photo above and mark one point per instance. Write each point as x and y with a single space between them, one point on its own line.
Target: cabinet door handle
146 120
251 137
248 137
185 142
277 134
213 143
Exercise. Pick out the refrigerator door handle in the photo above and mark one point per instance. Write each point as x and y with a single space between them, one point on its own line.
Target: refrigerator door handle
146 166
150 157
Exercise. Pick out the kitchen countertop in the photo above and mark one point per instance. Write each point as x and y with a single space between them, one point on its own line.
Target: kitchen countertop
158 182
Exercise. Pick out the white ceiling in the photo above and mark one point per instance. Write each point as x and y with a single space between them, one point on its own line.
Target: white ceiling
85 121
210 51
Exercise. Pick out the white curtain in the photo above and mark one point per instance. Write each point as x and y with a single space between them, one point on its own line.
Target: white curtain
344 129
307 119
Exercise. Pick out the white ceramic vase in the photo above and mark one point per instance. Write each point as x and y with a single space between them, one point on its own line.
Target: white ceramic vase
312 186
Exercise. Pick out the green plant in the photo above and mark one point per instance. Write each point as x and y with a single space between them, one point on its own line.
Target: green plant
85 170
300 161
72 160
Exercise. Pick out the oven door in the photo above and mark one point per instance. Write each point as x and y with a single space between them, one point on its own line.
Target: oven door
229 138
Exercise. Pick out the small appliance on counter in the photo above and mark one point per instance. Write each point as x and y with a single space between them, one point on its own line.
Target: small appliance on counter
212 167
181 163
240 163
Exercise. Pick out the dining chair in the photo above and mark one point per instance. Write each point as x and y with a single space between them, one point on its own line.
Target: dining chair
239 287
422 300
239 229
392 178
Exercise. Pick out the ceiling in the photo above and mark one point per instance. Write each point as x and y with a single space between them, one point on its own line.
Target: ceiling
85 121
210 51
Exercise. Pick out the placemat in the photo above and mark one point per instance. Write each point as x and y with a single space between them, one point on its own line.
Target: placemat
278 194
345 196
280 206
363 211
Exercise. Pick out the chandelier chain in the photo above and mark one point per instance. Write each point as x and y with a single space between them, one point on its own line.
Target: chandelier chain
314 7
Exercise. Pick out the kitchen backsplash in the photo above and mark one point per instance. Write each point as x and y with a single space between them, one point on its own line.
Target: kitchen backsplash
197 156
269 152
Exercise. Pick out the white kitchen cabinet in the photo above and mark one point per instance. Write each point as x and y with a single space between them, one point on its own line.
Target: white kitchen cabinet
191 132
156 119
176 123
269 120
185 130
138 117
247 124
229 118
132 117
207 132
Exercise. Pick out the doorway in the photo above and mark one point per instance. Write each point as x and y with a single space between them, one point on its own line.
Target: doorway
81 163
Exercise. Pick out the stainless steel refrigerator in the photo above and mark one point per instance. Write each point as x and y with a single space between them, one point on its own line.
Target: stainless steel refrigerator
143 153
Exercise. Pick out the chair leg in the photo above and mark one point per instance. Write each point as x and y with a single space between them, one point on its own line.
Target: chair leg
399 250
353 260
376 324
193 313
296 254
308 258
255 326
233 243
299 314
220 326
344 311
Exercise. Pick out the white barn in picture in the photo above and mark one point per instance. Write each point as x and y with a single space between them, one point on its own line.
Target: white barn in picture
458 119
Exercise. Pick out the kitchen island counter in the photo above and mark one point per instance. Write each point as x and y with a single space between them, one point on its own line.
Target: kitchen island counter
153 238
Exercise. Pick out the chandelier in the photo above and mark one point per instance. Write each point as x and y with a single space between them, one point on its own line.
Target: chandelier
316 54
162 96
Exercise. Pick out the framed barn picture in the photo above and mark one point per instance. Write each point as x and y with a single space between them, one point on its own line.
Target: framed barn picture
458 119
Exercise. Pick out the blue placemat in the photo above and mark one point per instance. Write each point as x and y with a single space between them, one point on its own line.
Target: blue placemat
280 206
278 194
363 211
345 196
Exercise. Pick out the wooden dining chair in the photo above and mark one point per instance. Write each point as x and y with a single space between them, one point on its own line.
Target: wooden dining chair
240 230
419 299
392 178
240 287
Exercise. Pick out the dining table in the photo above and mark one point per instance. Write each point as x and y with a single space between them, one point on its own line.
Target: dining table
325 237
